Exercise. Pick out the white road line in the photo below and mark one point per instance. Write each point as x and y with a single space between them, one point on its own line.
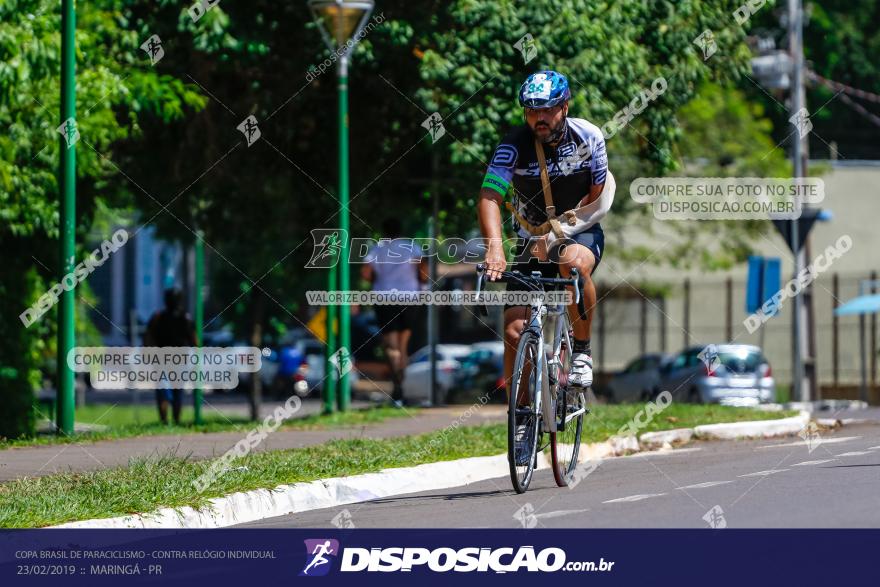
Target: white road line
559 513
706 484
874 448
662 452
819 462
639 497
763 473
804 442
855 453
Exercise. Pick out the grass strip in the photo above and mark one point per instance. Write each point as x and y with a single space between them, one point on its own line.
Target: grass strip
124 421
166 481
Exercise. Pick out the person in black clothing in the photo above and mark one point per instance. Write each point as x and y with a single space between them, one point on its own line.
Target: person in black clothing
169 327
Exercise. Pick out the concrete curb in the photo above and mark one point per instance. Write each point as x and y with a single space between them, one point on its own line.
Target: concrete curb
733 430
249 506
652 440
758 429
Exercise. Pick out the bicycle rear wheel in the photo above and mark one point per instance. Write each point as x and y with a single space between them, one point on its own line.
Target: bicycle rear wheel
570 409
521 452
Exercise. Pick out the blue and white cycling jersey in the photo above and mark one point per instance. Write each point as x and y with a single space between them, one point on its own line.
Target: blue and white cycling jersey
578 162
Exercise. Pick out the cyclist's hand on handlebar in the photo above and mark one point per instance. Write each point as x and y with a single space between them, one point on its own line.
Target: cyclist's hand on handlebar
496 262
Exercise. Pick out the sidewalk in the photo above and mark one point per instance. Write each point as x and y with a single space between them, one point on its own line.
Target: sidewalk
87 456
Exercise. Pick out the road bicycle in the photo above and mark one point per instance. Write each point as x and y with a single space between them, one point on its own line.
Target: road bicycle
540 396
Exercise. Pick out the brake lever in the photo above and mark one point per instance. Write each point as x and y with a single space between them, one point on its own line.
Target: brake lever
481 275
575 282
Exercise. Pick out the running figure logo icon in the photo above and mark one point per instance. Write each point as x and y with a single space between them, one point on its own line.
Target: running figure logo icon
317 553
250 130
326 247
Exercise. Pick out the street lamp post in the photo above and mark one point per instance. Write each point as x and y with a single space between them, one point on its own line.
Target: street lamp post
340 21
67 229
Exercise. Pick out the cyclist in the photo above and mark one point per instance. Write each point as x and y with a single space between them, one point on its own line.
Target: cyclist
570 155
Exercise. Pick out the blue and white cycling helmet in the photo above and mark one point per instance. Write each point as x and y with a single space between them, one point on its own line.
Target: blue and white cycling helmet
544 89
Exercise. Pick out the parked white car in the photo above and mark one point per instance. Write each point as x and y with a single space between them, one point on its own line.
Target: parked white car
417 379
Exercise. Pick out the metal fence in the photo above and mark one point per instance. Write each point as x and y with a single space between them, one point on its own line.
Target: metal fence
629 321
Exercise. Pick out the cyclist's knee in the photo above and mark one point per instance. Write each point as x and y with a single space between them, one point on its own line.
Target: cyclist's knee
512 331
583 261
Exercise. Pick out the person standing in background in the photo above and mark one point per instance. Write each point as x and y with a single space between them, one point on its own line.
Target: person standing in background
395 263
170 327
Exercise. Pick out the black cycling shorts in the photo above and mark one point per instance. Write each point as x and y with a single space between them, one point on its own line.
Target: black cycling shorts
593 238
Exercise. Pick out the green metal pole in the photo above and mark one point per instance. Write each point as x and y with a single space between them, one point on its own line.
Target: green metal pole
329 368
66 340
344 396
198 394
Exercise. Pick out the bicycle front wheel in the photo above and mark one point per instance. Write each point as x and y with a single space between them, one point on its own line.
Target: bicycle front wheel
570 409
523 413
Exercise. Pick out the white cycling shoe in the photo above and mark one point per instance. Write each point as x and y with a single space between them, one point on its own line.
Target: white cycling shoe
581 372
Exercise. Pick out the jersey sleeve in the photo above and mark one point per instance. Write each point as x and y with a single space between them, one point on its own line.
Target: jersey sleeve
499 175
599 163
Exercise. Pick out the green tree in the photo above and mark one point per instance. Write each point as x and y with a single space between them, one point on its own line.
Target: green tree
116 86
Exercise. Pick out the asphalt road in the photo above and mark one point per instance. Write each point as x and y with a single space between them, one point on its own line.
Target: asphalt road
777 483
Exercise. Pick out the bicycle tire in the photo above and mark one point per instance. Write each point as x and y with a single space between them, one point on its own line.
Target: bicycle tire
565 442
526 353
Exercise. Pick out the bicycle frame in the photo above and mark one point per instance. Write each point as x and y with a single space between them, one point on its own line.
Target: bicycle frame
538 314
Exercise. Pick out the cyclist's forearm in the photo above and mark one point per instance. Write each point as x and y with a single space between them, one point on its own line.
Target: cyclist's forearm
595 192
489 213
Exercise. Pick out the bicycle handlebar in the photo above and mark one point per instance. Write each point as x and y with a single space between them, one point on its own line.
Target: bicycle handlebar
534 282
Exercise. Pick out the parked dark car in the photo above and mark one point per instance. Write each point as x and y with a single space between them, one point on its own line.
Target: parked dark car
639 381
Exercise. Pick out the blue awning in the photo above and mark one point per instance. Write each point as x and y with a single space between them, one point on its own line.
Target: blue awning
859 305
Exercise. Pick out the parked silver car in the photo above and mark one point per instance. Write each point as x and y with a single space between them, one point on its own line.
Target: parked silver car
417 380
639 381
730 374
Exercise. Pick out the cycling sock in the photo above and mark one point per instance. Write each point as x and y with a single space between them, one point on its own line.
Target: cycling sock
582 346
